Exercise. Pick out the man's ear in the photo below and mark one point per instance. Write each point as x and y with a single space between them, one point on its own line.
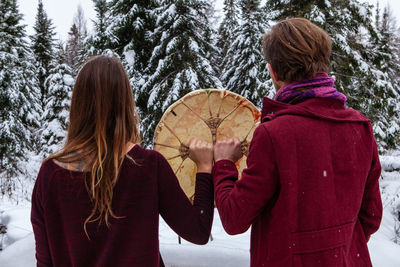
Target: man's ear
273 73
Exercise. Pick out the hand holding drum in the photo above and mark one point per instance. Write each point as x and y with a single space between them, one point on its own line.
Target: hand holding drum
209 115
201 153
228 149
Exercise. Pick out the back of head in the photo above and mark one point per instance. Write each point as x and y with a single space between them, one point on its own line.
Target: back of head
103 120
102 105
297 49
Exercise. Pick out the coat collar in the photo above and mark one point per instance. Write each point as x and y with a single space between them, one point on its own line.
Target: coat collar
323 108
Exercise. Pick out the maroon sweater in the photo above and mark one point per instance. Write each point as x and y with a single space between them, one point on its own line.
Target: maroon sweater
60 205
310 190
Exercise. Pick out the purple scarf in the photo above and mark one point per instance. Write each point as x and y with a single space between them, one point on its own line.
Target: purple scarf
322 85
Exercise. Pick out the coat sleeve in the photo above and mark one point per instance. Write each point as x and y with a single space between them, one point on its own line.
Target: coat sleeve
43 255
370 214
191 222
240 202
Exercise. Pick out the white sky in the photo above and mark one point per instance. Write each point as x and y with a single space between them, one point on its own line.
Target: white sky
394 5
62 12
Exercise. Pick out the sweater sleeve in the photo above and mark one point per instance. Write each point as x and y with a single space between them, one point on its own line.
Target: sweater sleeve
191 222
43 255
240 202
370 214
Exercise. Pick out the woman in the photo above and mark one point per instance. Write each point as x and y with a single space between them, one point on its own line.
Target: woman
97 201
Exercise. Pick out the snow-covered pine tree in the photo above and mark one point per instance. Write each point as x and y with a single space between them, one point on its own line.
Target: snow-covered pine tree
397 49
377 15
211 35
98 42
19 95
226 32
179 62
211 13
245 69
130 20
75 48
389 42
59 83
60 55
128 28
72 49
42 46
352 63
384 110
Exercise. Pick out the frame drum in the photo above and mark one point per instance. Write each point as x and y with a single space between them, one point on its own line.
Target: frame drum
209 115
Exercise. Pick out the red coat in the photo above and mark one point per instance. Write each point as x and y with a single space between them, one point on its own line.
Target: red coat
310 190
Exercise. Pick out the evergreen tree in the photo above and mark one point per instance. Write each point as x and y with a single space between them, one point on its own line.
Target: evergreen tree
384 108
353 63
73 49
211 13
397 51
245 69
226 31
129 25
388 43
18 95
60 55
211 34
179 62
76 53
130 21
59 83
377 15
98 42
42 46
80 22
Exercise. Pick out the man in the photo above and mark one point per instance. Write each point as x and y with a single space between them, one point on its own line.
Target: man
310 190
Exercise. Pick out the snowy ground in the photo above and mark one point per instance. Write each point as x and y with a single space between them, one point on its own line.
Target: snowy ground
224 250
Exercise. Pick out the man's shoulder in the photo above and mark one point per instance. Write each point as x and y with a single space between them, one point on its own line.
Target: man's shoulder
281 123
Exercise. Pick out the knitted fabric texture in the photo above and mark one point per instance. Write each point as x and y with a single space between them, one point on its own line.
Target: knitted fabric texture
322 85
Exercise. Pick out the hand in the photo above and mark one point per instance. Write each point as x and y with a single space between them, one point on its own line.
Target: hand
201 153
228 149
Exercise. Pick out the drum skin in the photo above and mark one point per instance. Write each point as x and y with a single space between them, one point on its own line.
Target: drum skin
209 115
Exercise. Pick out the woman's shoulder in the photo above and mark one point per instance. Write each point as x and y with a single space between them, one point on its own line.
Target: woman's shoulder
142 154
47 171
48 167
145 156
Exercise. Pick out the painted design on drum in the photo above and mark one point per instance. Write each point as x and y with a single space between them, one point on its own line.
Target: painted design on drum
209 115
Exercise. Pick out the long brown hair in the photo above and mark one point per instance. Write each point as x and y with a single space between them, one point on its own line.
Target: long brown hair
103 119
